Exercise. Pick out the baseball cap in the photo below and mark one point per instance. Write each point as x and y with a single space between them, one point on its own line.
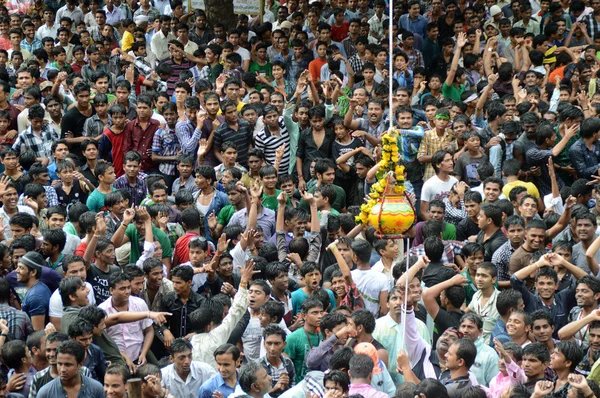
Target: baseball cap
369 350
45 85
286 25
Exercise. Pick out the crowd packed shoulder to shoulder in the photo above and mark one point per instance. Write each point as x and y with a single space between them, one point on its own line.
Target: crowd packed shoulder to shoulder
179 201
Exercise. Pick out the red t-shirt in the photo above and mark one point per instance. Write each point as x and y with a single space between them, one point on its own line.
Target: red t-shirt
339 33
80 251
182 251
117 150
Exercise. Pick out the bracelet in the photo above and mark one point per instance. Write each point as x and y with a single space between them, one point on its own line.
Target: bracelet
586 109
243 285
123 225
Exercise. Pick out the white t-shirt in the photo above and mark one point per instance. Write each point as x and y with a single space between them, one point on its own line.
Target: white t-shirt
56 303
71 244
370 284
245 54
434 188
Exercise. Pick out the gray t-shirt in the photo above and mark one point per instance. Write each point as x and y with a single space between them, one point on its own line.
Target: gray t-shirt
466 168
578 257
90 388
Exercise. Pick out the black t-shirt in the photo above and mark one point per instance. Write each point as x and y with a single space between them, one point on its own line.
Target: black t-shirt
437 273
99 281
466 228
421 313
73 121
444 320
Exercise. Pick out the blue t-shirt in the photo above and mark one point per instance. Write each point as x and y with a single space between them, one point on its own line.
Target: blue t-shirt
37 300
298 297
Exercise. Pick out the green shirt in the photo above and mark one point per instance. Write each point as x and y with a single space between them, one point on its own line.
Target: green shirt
449 232
69 228
297 346
225 214
134 237
452 91
95 202
270 202
263 70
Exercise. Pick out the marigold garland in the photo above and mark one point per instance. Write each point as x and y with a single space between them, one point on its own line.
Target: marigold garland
387 164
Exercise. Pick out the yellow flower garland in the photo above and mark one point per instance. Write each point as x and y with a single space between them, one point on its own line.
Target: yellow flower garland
389 162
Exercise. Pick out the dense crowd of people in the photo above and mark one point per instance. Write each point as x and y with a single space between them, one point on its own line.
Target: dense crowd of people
186 204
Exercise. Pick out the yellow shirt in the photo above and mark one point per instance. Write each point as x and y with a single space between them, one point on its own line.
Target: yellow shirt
240 105
531 188
127 41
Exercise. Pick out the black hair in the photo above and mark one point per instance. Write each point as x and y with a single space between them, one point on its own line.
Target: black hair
466 351
228 349
434 248
364 318
80 327
338 377
274 309
508 299
537 350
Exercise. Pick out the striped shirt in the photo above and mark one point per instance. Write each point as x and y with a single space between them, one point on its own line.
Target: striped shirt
177 69
240 137
268 143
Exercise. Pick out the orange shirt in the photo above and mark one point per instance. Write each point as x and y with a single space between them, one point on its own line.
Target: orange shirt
315 68
557 72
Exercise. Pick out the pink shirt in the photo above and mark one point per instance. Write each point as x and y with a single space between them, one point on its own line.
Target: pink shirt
128 336
366 391
500 383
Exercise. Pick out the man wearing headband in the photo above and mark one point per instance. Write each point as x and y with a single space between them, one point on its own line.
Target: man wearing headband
37 298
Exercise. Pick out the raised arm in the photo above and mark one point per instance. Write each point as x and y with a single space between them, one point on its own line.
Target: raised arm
570 329
492 78
570 133
460 43
430 295
590 255
412 271
119 238
256 193
527 271
348 122
476 46
341 262
314 212
563 221
342 161
100 232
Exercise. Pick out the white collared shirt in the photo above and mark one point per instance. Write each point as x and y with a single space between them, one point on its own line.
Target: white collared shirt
199 373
